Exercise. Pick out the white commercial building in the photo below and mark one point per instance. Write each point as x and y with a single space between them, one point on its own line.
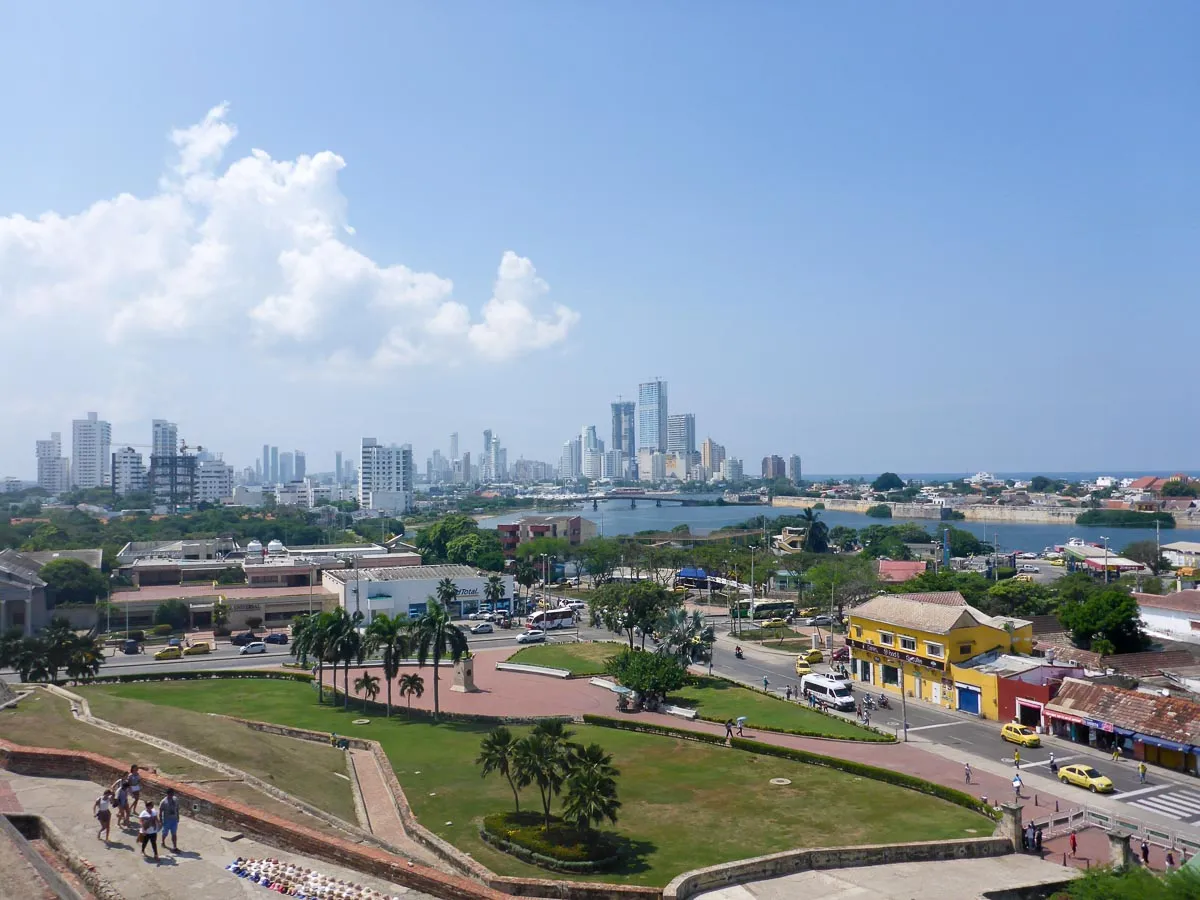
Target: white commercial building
405 590
388 472
731 469
53 469
613 464
164 438
652 416
681 433
248 495
91 452
215 481
652 465
128 471
1182 554
1175 616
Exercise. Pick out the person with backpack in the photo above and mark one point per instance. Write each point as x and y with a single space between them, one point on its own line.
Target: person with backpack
148 829
168 815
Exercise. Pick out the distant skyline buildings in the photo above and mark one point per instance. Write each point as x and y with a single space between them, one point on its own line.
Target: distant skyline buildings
681 433
652 416
91 453
624 427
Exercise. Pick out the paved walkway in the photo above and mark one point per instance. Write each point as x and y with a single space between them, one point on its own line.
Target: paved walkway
384 820
197 871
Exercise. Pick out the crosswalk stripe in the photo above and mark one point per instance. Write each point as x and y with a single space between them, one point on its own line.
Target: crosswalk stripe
1162 812
1174 802
1167 807
1181 798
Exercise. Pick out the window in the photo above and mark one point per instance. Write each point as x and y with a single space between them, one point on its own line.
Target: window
932 649
858 631
907 643
965 649
891 675
885 638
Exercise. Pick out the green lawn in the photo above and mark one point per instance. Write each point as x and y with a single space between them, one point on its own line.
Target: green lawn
680 798
720 700
580 659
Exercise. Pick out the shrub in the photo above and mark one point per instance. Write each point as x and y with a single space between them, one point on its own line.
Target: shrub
899 779
174 613
222 631
879 511
253 621
161 630
563 848
304 677
138 636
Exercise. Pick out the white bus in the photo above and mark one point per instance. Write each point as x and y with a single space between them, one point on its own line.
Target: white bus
548 619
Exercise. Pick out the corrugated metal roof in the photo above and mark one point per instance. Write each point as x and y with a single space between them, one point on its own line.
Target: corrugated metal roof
906 611
404 573
1172 718
944 598
1178 601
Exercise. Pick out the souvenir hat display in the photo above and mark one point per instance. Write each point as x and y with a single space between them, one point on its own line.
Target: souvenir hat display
298 881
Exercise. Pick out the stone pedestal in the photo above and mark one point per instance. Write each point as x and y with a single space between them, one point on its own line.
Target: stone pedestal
1010 825
1120 856
464 676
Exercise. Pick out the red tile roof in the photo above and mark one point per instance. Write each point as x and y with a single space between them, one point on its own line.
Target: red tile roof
1172 718
941 598
898 570
1177 601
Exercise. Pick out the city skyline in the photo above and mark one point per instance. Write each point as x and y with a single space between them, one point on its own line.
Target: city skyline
927 219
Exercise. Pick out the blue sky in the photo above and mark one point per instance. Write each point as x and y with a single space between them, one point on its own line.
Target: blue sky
931 238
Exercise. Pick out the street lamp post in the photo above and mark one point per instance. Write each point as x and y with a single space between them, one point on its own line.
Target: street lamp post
1103 538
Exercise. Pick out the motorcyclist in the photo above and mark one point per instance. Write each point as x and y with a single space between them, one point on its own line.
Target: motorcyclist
737 651
1053 763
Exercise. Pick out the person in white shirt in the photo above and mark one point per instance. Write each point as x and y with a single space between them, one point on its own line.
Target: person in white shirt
102 810
148 829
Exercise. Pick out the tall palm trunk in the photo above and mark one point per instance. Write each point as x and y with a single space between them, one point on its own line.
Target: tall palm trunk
346 682
437 658
389 700
320 682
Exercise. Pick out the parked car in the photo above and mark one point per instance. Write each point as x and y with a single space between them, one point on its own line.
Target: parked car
841 654
817 620
775 623
254 647
1027 555
241 640
1085 777
197 649
276 637
169 653
532 636
1020 734
131 647
482 628
1032 570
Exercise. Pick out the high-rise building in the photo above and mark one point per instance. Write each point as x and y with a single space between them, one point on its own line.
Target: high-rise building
172 480
652 415
731 469
613 465
652 465
300 465
91 454
266 464
254 476
337 467
453 446
385 476
624 412
128 471
570 463
287 467
712 455
214 481
681 433
274 465
164 439
794 469
53 469
464 468
773 467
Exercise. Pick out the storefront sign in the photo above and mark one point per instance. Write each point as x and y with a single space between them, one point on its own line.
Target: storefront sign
1054 714
897 655
1099 726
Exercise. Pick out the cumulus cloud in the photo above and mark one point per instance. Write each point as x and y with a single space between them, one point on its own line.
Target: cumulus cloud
249 258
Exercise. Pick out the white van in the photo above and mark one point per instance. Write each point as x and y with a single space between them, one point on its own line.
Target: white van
827 690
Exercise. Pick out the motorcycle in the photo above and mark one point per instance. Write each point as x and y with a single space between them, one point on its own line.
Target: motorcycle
868 702
738 653
883 702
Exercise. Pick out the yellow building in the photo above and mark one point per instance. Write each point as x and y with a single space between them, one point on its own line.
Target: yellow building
916 640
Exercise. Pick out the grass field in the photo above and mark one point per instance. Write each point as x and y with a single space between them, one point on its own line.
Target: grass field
579 659
721 700
680 798
43 720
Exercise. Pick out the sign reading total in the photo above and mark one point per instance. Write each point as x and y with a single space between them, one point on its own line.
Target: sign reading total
898 655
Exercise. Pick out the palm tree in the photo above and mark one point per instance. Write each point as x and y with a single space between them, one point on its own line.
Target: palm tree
346 645
411 685
496 753
58 640
680 632
389 634
542 761
446 592
434 634
525 575
313 636
86 657
591 798
592 758
494 591
368 685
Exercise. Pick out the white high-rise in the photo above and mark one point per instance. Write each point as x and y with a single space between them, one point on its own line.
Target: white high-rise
165 439
453 446
652 416
128 471
53 469
91 452
385 476
681 434
214 481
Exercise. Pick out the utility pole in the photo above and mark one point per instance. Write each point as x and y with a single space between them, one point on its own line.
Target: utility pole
1103 538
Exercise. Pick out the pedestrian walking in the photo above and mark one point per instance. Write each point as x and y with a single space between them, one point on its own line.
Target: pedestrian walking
1145 852
1016 782
765 682
967 771
168 815
788 692
122 796
1170 859
135 786
148 829
1116 753
728 728
102 810
1039 841
1074 842
1142 772
1017 758
741 720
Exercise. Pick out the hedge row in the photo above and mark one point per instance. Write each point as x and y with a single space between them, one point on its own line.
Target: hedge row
900 779
528 847
379 708
305 677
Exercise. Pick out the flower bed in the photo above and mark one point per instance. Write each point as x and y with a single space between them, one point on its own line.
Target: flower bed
562 849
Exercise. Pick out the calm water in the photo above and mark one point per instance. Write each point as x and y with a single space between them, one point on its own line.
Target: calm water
614 517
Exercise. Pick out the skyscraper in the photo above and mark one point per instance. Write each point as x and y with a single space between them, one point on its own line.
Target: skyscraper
681 434
287 467
453 446
624 413
91 454
794 469
337 467
652 415
569 463
591 453
266 464
301 465
712 455
773 467
274 465
385 476
53 469
164 439
128 471
485 461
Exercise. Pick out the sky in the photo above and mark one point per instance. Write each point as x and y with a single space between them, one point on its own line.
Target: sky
920 237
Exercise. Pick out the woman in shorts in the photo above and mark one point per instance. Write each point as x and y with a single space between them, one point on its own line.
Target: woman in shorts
122 796
102 810
148 829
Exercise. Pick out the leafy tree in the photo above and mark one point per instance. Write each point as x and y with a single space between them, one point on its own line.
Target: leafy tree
435 635
1017 598
971 585
964 543
368 685
591 798
434 540
843 538
880 541
846 579
174 612
1177 487
879 511
1107 613
653 675
411 685
1041 484
888 481
231 575
390 636
73 581
555 548
630 608
601 557
496 754
1147 553
220 613
476 548
253 622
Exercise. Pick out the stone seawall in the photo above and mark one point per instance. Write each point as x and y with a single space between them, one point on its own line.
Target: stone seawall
899 510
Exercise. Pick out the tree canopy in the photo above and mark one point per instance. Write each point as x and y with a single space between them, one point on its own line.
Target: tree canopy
73 581
1103 613
632 608
888 481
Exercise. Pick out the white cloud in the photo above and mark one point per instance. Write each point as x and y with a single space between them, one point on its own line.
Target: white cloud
242 265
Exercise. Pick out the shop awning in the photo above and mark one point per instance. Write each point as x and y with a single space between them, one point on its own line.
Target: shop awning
1123 732
1162 742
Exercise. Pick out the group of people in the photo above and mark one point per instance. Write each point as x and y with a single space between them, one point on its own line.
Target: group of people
124 799
1031 838
297 881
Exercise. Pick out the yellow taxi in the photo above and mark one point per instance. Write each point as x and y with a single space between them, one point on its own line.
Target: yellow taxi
802 666
1058 562
1024 576
812 656
169 653
775 623
197 649
1085 777
1020 734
